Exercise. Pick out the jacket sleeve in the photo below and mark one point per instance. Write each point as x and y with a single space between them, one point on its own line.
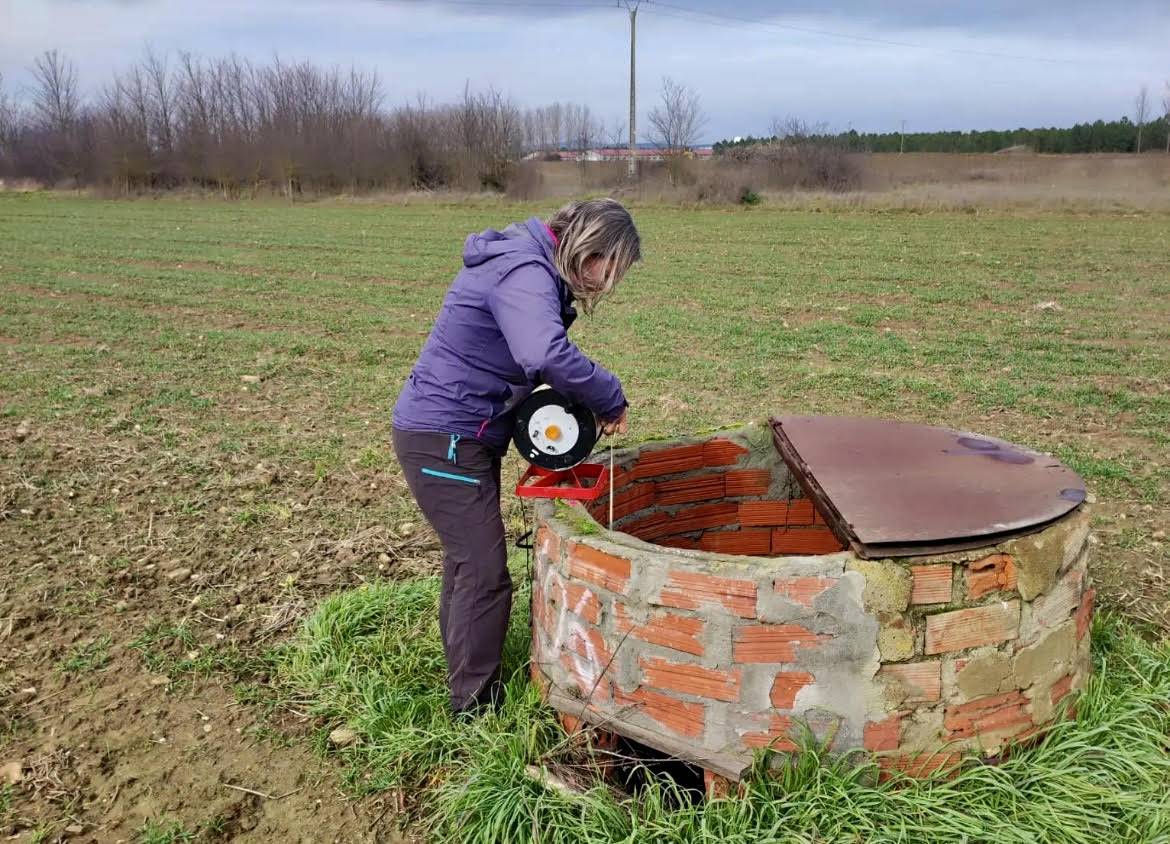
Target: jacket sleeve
524 304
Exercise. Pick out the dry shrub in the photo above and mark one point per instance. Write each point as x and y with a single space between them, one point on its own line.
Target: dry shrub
524 181
604 175
802 165
727 183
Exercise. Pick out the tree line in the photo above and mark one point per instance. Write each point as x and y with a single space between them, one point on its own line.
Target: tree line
1117 136
230 124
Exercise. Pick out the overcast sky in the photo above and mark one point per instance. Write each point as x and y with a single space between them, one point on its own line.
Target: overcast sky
849 63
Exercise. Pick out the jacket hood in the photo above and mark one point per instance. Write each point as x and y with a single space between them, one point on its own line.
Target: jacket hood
530 239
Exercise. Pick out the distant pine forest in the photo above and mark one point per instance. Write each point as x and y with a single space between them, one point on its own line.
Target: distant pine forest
1100 136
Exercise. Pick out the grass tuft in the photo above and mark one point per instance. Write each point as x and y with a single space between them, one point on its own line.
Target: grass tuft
164 831
86 657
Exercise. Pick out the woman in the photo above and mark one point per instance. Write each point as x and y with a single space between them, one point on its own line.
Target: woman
501 333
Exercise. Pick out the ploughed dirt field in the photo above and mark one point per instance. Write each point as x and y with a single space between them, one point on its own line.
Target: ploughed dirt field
194 446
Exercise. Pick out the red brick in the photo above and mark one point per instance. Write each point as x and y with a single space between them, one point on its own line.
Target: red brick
716 786
801 512
919 765
691 679
536 673
588 643
991 574
1005 722
592 686
627 502
722 452
797 512
763 513
772 642
668 461
804 540
687 490
970 628
1085 613
748 482
802 590
884 735
548 544
775 738
1060 688
670 630
746 541
787 685
622 475
541 617
979 706
651 527
922 681
703 517
678 716
583 602
680 542
689 590
598 567
932 584
994 712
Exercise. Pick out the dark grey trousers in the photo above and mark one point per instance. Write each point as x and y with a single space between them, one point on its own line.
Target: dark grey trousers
457 486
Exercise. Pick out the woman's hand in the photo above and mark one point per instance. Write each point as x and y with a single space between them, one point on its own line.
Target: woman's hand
617 426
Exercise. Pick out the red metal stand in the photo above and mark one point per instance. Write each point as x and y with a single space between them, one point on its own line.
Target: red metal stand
585 482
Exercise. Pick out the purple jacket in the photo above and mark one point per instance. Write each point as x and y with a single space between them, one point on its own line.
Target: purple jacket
500 334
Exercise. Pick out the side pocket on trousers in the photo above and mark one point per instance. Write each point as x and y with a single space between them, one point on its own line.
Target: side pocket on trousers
450 476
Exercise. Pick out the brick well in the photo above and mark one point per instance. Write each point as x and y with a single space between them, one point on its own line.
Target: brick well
721 611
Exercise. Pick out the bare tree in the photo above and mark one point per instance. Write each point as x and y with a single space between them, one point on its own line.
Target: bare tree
9 119
616 135
162 102
57 116
235 126
1166 115
56 101
676 123
1141 110
492 134
555 123
793 130
582 129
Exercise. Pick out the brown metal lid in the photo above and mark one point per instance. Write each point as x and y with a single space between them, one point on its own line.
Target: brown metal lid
899 489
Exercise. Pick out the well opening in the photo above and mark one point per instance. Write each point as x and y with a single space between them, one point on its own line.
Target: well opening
719 495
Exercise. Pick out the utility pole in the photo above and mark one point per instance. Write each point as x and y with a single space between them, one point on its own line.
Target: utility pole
632 168
902 140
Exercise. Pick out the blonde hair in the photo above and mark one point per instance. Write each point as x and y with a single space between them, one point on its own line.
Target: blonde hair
590 228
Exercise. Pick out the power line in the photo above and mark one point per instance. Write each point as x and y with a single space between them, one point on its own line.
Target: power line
521 4
722 16
660 11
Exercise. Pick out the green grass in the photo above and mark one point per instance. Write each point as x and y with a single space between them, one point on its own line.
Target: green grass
5 801
86 657
165 305
371 658
172 650
139 319
163 831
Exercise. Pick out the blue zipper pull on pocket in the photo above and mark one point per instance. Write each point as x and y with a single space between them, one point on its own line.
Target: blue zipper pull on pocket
452 455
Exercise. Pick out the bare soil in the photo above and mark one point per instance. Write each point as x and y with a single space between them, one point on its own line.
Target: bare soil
110 731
